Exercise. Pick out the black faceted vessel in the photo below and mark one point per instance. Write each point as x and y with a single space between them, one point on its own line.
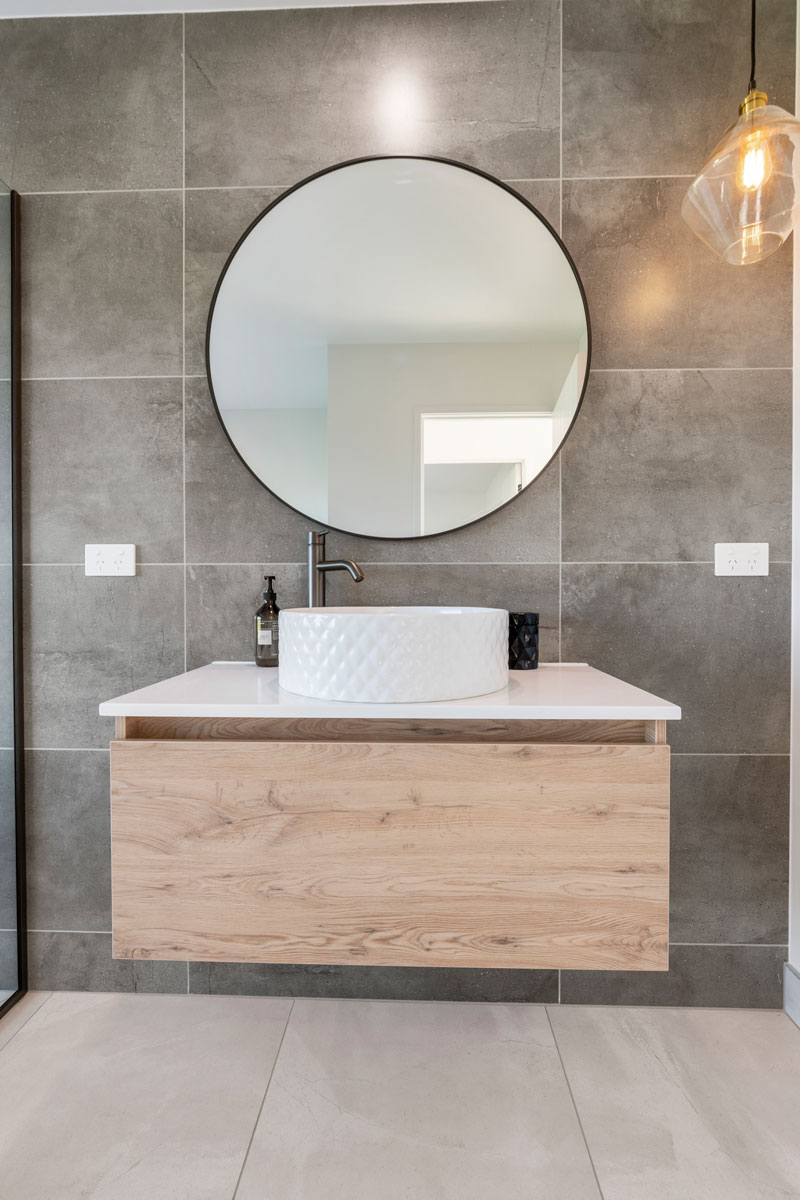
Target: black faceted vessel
523 641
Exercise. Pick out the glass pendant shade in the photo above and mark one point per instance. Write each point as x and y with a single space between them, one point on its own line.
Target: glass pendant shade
744 202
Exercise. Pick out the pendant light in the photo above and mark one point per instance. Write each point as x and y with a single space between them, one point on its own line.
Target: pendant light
746 199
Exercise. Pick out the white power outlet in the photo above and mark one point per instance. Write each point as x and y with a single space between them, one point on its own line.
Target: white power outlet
110 560
741 558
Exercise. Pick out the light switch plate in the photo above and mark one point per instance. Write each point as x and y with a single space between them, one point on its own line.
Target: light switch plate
741 558
110 559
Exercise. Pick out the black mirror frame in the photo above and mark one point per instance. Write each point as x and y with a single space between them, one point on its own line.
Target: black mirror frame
315 521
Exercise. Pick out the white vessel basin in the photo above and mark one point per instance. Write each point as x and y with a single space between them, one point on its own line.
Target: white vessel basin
393 655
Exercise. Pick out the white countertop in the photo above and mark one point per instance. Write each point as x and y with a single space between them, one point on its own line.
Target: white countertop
556 691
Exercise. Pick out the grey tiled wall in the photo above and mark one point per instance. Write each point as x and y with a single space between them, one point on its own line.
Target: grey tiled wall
139 169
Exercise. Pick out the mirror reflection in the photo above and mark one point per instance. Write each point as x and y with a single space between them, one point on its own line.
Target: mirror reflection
398 347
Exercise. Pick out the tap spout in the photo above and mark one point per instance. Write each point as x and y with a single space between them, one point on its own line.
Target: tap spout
342 564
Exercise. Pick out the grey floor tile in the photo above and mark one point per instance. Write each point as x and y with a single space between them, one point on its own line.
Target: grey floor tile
111 636
514 586
525 531
221 604
729 870
215 220
67 823
141 1096
122 439
101 285
643 90
377 1100
92 102
660 465
230 517
274 96
686 1105
717 646
82 962
657 296
374 983
698 977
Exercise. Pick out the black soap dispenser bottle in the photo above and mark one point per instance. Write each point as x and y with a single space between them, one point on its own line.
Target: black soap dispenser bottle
266 627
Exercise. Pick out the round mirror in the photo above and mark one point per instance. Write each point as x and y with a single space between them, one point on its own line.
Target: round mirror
398 346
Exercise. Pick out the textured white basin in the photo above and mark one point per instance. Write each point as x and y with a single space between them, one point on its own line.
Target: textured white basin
393 655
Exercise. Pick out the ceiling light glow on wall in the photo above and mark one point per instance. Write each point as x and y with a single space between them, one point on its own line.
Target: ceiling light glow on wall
746 200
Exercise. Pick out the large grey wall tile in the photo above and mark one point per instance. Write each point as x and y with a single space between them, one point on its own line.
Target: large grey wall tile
517 587
274 96
6 655
526 530
82 962
90 639
544 195
8 845
221 603
662 464
9 964
6 495
374 983
68 839
215 220
101 282
717 646
657 296
103 462
729 872
698 976
91 103
649 89
230 517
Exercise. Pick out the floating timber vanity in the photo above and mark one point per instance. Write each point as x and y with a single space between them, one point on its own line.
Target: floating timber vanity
524 828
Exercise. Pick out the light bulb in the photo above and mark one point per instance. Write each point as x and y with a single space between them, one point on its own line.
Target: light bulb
755 163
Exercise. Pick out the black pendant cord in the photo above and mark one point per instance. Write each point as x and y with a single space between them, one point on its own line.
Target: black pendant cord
752 47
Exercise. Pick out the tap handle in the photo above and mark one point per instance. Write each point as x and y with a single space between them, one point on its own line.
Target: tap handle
317 536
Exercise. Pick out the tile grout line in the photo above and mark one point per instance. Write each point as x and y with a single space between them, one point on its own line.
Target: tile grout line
27 1020
257 187
263 1101
683 562
572 1098
695 367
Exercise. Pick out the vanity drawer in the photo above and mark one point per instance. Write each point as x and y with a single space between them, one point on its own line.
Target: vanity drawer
452 855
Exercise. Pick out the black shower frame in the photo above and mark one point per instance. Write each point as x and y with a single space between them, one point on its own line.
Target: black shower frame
450 162
16 601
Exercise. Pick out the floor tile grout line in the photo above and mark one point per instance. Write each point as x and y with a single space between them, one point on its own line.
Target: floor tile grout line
263 1102
27 1020
574 1103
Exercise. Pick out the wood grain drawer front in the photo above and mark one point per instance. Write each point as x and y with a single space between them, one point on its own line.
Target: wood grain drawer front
394 854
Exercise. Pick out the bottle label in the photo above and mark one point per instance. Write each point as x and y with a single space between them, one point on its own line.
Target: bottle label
264 632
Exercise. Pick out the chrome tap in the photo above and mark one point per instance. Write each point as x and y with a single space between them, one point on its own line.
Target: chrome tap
318 567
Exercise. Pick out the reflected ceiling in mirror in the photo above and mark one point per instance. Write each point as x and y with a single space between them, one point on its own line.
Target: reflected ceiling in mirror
398 346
